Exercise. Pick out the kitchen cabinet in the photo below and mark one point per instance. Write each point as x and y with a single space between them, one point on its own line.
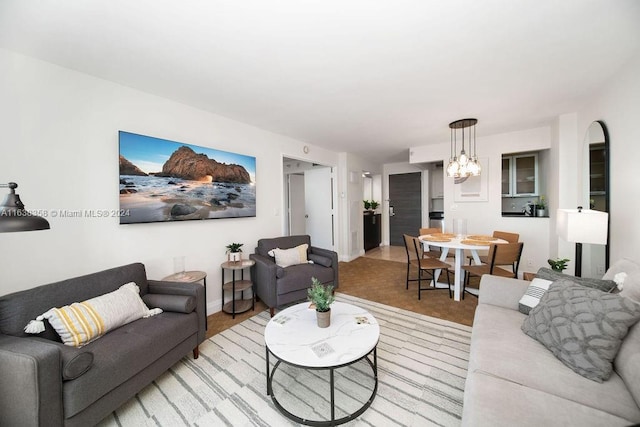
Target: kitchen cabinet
520 175
372 231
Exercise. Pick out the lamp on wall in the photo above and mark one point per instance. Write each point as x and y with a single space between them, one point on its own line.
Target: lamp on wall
463 165
14 217
582 226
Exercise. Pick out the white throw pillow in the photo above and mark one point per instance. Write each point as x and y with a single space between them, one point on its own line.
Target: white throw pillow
535 291
286 257
82 322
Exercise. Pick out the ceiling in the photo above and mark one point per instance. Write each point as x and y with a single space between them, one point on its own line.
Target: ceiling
370 77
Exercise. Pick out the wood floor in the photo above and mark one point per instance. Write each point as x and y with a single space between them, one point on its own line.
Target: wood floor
378 276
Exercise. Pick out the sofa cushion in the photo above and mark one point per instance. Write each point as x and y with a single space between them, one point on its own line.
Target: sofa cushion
500 348
492 401
168 302
285 242
627 362
80 323
605 285
320 259
75 362
631 284
293 256
123 352
296 275
581 326
17 309
531 298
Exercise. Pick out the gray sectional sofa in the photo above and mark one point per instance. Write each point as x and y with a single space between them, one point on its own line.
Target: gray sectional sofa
46 383
513 380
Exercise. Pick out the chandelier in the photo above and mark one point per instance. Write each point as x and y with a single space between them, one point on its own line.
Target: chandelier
463 165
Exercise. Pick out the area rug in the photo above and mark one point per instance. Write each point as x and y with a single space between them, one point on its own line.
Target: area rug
422 366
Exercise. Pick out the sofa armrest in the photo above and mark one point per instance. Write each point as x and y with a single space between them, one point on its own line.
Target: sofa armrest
31 385
501 291
189 289
263 274
334 261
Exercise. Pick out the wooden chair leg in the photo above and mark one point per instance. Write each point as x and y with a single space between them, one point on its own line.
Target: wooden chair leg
196 353
272 311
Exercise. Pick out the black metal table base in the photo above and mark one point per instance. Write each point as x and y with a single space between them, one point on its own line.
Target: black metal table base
333 421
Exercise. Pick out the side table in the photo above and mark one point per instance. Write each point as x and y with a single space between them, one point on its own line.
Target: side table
234 307
191 277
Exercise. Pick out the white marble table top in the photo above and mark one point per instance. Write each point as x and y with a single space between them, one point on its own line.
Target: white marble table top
293 335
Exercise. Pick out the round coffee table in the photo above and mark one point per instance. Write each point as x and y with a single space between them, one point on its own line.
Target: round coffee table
293 337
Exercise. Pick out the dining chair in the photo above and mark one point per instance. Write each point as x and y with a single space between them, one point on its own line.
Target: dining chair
499 254
425 265
435 252
504 235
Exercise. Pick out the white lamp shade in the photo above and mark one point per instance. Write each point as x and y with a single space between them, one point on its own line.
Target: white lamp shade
584 226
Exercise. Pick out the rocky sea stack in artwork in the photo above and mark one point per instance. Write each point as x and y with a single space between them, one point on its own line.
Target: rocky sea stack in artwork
186 164
128 168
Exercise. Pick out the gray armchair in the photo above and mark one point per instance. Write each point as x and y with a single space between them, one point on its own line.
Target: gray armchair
276 285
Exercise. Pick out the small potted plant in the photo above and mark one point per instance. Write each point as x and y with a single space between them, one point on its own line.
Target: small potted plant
374 204
367 205
541 207
321 297
558 264
234 252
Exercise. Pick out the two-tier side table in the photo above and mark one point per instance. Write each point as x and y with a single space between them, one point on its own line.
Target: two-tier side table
234 306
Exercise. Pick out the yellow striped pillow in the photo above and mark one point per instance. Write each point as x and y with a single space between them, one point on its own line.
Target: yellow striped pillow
82 322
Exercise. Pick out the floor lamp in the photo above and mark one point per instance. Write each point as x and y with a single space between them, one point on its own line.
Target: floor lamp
582 226
13 215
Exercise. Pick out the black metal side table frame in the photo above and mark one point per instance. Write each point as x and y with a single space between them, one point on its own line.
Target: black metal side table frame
331 369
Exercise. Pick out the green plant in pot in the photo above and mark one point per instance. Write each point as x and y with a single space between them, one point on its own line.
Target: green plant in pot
322 297
541 207
234 252
374 204
367 204
558 264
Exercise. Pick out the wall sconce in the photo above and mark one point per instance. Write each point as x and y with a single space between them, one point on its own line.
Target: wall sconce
13 216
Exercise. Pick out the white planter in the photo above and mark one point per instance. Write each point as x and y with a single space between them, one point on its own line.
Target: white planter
235 256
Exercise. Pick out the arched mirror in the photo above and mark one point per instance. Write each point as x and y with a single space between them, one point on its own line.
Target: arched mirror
596 193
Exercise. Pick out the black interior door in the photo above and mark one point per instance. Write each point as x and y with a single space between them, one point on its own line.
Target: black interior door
405 206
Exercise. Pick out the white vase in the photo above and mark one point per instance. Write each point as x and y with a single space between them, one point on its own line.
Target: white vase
235 256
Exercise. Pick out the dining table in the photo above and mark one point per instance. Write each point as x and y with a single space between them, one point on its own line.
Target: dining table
459 243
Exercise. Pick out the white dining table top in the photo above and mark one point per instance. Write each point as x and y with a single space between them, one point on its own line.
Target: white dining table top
455 242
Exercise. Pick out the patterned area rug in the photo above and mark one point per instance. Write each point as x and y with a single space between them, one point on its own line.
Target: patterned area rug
422 366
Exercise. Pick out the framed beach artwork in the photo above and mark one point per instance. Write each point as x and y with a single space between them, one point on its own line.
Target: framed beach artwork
162 180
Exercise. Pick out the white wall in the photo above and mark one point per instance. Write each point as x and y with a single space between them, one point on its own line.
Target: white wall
617 103
60 144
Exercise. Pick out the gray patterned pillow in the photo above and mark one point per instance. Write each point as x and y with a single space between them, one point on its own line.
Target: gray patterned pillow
582 327
603 285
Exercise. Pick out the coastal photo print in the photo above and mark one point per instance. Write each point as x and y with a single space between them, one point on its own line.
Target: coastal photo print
162 180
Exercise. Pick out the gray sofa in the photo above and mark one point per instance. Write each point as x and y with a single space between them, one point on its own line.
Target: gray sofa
276 285
46 383
514 380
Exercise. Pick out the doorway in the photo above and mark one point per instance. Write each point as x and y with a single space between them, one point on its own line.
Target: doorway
310 201
405 206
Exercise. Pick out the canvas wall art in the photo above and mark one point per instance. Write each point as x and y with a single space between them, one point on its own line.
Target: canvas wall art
162 180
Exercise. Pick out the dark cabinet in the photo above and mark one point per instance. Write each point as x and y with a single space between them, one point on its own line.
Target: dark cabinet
372 231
